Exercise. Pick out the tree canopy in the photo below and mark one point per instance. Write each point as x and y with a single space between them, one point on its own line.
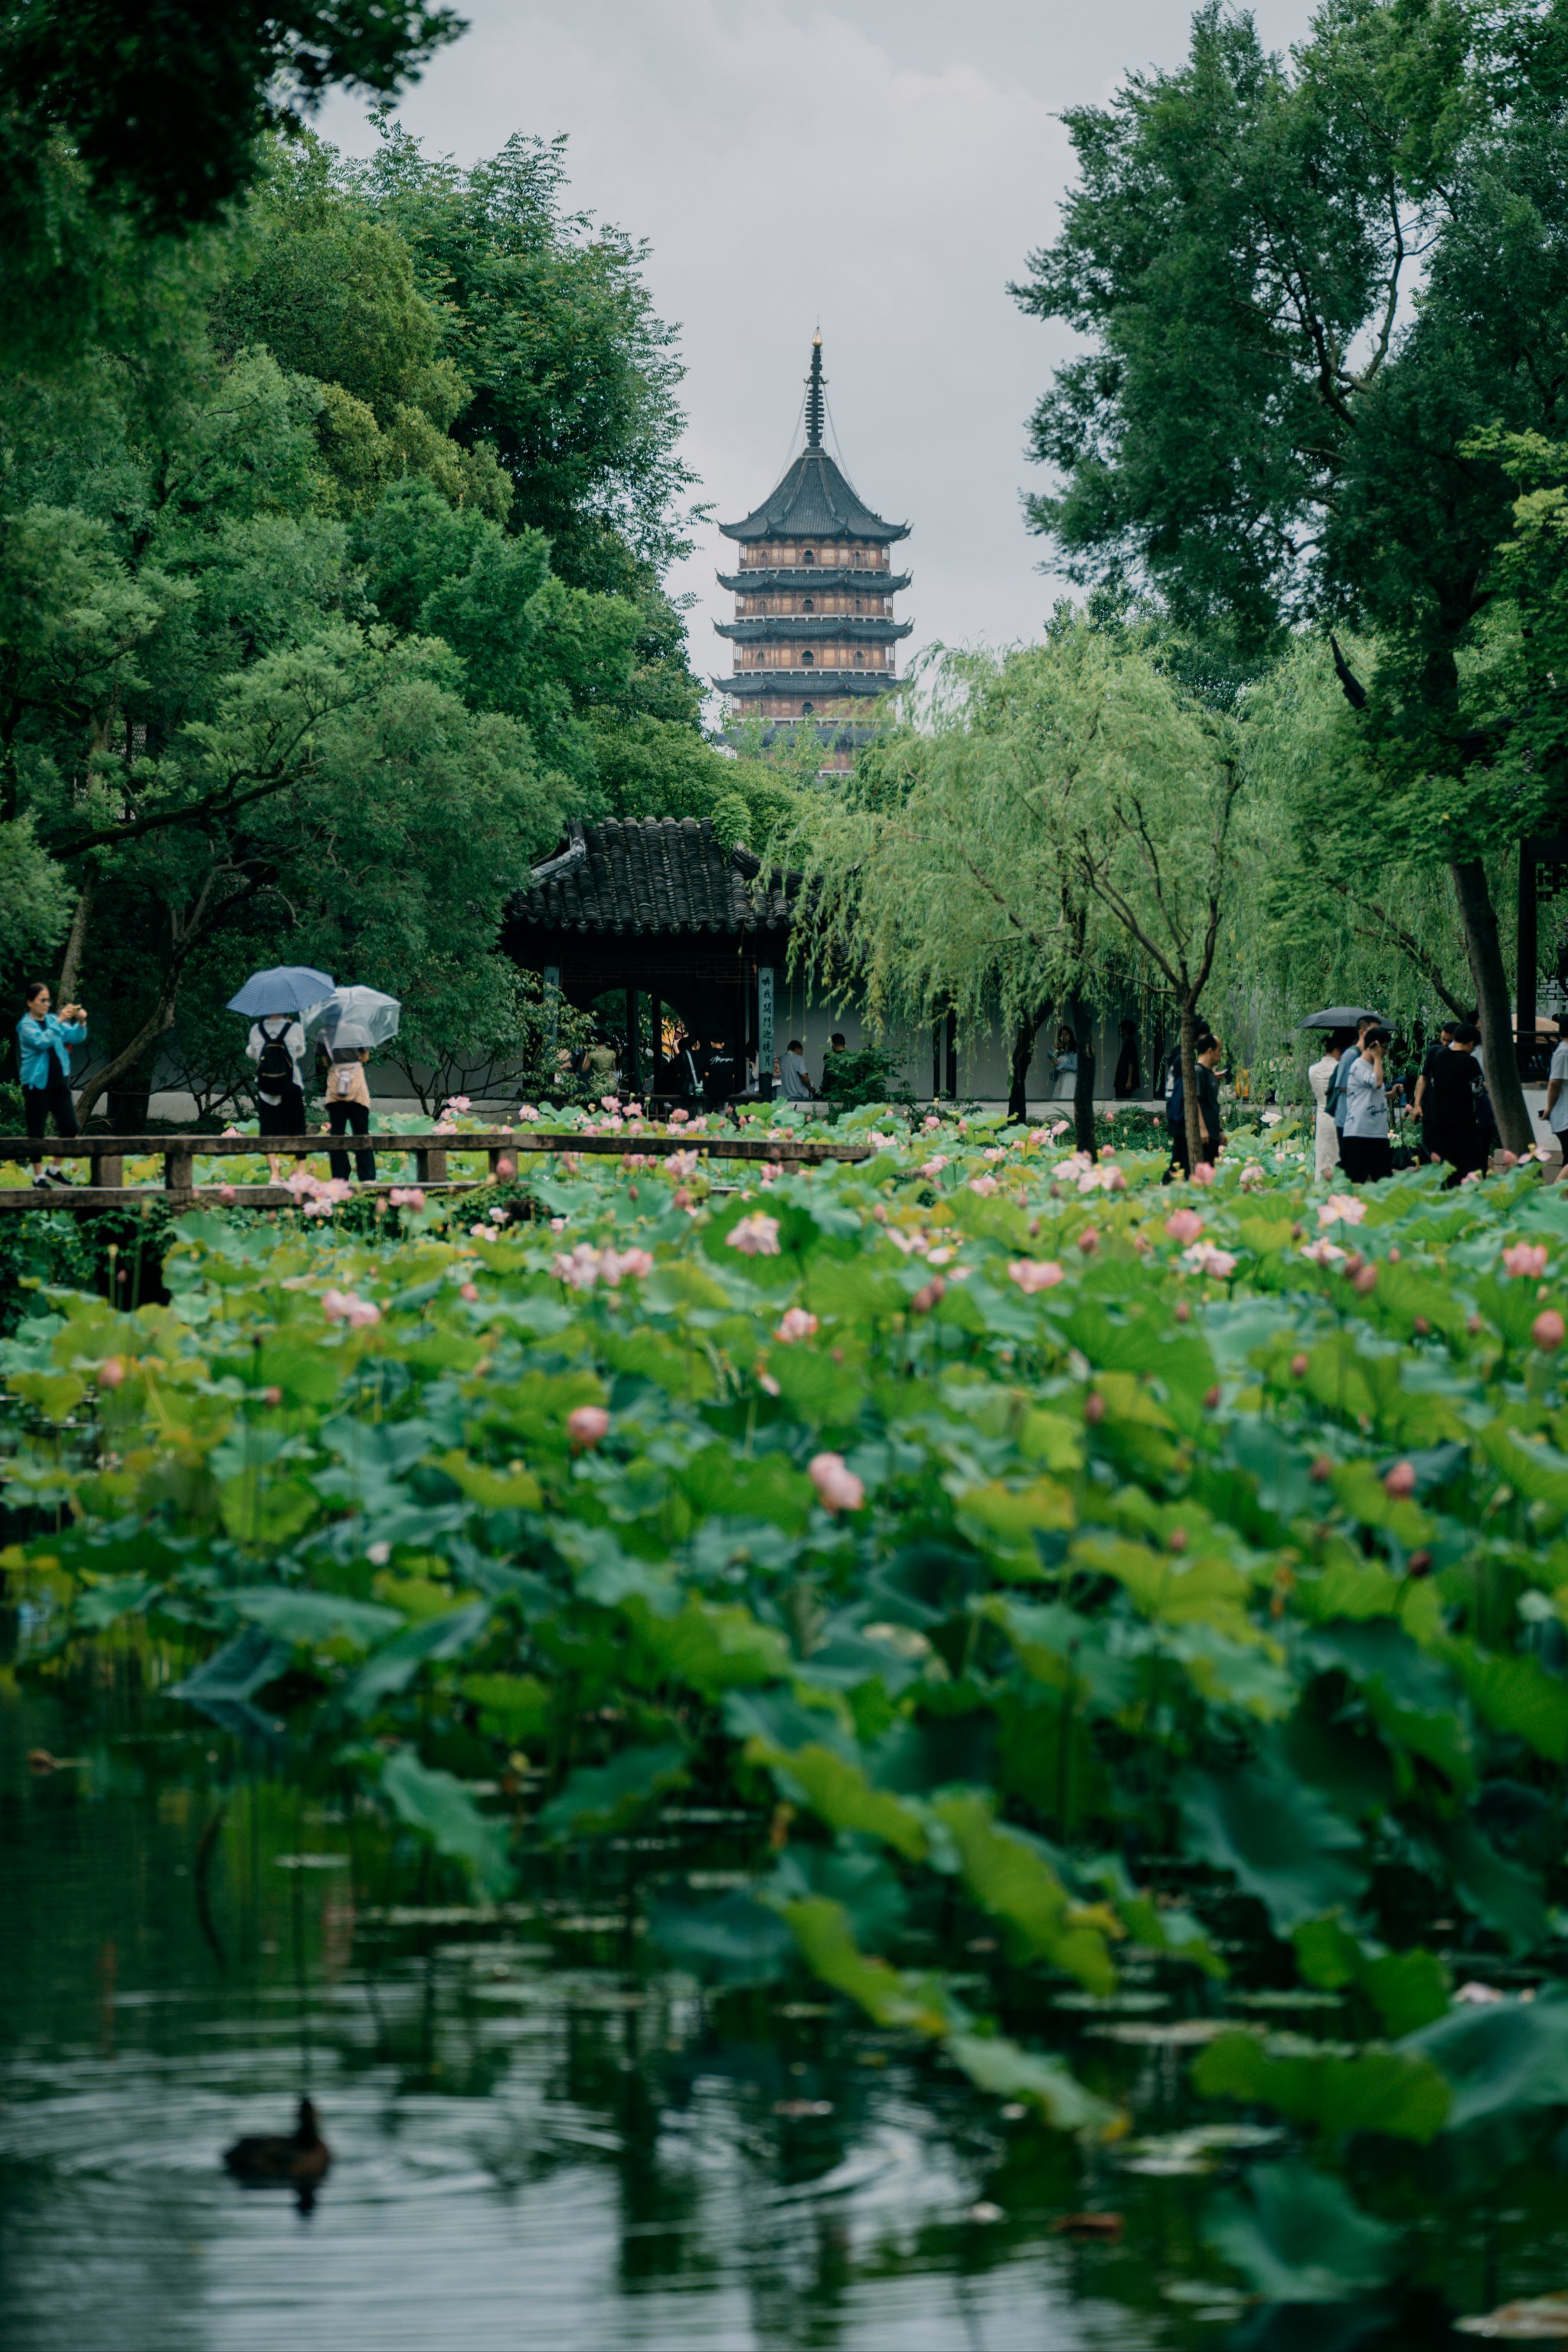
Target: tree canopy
1312 289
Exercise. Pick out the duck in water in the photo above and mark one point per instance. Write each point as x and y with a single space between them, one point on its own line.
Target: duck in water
296 2159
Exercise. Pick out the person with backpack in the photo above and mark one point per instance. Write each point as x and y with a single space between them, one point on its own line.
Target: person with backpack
44 1041
1325 1132
277 1046
348 1108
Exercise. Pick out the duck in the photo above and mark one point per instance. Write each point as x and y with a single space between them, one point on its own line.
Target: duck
295 2160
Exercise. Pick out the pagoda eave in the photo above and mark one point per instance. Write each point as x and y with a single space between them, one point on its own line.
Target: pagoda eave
792 629
827 685
826 576
784 526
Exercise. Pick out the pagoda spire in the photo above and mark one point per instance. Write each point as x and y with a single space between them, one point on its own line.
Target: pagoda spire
814 399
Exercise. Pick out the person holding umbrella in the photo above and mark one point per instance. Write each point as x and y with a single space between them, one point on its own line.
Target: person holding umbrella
1321 1077
275 999
348 1098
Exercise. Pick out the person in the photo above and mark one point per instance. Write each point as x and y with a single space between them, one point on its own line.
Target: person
1366 1153
600 1062
793 1079
835 1045
1451 1127
1321 1077
1339 1091
44 1041
1429 1064
1125 1083
718 1080
1556 1111
1207 1049
277 1046
686 1065
348 1108
1064 1064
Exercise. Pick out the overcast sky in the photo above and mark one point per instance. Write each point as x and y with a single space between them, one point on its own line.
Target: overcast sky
882 166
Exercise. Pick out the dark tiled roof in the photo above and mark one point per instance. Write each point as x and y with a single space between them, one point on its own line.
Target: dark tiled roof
663 873
814 501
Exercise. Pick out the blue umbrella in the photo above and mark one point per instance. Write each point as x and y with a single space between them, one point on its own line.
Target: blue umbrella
287 988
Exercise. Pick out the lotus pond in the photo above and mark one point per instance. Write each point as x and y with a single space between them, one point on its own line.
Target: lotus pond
964 1750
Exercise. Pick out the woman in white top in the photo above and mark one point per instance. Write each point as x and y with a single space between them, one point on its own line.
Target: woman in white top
1325 1134
1065 1065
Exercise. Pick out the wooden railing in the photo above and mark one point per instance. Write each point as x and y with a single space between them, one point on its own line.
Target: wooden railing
430 1151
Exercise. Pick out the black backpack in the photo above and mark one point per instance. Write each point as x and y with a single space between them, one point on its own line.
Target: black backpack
275 1068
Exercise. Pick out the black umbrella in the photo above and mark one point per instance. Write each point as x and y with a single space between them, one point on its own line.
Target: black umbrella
1340 1016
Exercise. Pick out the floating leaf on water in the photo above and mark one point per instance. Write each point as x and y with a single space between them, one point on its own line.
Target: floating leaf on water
309 1861
1114 2004
1279 1998
1176 2033
795 2109
985 2212
1539 2319
1174 2155
1088 2226
1296 2236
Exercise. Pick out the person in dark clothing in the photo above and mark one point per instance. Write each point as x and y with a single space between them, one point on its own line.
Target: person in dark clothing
719 1081
1418 1101
1451 1127
835 1045
1209 1135
1125 1083
688 1067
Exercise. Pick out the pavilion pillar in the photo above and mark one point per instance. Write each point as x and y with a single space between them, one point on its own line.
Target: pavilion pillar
766 1031
634 1074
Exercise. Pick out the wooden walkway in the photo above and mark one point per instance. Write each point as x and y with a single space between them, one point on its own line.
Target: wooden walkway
430 1151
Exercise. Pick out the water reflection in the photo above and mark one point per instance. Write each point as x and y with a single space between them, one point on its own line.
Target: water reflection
538 2143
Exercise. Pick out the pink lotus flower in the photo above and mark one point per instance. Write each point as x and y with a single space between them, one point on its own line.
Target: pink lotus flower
1549 1330
1058 1127
983 1185
756 1235
934 1165
1323 1252
1365 1279
1089 1240
557 1224
609 1102
1032 1273
271 1396
767 1383
1206 1259
527 1113
682 1163
931 1126
995 1151
1341 1207
406 1196
455 1102
1251 1175
929 1294
1527 1259
347 1306
1400 1479
1203 1173
796 1324
225 1195
468 1290
1183 1225
110 1372
837 1487
587 1424
678 1117
506 1168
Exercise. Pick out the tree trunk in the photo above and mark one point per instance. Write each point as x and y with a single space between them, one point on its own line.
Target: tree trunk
1083 1085
1023 1055
75 941
1478 917
159 1021
1190 1083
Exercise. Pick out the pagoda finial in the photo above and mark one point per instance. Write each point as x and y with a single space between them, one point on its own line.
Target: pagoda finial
814 401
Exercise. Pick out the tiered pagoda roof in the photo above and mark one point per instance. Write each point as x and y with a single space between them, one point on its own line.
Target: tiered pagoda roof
824 560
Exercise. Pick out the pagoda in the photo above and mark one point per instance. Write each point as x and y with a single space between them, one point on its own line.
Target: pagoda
814 631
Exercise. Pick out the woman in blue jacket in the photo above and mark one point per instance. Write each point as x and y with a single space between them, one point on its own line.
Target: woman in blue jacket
44 1041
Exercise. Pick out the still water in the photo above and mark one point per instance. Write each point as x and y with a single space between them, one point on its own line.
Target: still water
538 2143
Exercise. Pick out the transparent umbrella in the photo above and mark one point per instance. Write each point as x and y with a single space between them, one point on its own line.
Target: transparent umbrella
368 1009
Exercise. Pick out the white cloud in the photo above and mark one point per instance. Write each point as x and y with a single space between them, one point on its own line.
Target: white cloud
883 170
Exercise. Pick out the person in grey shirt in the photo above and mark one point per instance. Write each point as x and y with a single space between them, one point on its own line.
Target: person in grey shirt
1556 1111
792 1080
1339 1091
1365 1152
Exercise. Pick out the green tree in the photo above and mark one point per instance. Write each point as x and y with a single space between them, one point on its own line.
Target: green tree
1269 426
